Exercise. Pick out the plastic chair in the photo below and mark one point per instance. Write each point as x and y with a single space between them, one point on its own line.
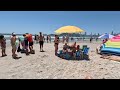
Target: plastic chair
85 50
84 46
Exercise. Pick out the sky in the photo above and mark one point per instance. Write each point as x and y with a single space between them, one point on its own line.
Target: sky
49 21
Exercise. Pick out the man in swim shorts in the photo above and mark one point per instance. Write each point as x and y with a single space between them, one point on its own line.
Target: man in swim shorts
30 40
13 44
41 41
26 43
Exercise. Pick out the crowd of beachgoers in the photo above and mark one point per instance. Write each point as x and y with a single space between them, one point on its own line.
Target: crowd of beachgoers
25 43
56 59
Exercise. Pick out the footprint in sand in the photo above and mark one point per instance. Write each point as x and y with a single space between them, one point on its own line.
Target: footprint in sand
44 56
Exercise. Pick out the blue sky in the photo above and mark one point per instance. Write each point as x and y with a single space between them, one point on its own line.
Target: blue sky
48 21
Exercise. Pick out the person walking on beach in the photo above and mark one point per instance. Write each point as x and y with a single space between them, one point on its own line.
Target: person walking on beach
41 41
56 43
90 39
3 45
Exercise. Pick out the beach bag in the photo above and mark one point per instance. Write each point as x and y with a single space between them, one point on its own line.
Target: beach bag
67 56
19 49
22 51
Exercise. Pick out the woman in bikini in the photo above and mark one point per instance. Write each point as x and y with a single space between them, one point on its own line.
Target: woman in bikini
41 41
56 43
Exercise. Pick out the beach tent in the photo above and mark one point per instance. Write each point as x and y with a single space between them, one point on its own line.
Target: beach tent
68 29
106 36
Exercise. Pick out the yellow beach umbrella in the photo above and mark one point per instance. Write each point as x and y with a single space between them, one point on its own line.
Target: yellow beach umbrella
68 29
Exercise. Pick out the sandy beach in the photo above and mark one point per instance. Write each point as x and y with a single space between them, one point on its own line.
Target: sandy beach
45 65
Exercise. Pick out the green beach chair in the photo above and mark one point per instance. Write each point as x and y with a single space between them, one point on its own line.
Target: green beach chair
83 47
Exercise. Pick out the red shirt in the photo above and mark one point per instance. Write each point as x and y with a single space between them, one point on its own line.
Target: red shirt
30 39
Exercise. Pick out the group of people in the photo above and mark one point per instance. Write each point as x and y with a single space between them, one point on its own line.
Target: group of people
71 52
25 41
22 43
65 39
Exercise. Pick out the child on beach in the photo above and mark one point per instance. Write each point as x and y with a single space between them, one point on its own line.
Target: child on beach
3 45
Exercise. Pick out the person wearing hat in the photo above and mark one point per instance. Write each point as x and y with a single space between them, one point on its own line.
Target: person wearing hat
13 44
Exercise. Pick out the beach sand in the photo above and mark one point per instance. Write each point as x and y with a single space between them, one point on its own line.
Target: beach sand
45 65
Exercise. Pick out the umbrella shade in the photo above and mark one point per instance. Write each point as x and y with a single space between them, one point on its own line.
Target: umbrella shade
68 29
104 36
115 38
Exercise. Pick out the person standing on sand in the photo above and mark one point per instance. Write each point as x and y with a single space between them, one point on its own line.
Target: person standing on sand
63 39
3 45
26 44
67 39
96 39
47 38
41 41
90 39
56 43
37 39
21 39
13 44
50 38
30 40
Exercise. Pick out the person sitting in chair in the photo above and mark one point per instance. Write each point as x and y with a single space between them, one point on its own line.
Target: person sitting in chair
65 47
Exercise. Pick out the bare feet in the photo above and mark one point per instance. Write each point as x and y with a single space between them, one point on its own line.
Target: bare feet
88 77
